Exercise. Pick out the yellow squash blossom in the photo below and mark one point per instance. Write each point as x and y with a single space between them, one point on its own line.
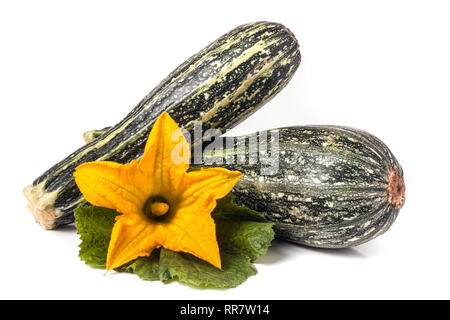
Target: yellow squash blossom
161 204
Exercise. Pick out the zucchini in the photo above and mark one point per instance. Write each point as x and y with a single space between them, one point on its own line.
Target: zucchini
220 86
335 187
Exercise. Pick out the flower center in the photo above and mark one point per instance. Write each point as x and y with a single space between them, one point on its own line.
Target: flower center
159 208
155 207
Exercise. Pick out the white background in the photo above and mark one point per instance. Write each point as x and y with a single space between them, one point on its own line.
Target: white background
382 66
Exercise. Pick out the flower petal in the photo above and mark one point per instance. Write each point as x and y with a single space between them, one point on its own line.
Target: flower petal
112 185
206 184
166 154
130 240
193 230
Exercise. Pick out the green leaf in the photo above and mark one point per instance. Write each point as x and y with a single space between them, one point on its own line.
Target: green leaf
146 268
227 208
186 268
94 225
240 230
247 238
243 236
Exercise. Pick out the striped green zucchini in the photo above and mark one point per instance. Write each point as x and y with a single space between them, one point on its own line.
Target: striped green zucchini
219 86
335 187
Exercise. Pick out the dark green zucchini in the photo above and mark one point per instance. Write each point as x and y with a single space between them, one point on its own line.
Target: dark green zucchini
220 86
335 187
332 187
